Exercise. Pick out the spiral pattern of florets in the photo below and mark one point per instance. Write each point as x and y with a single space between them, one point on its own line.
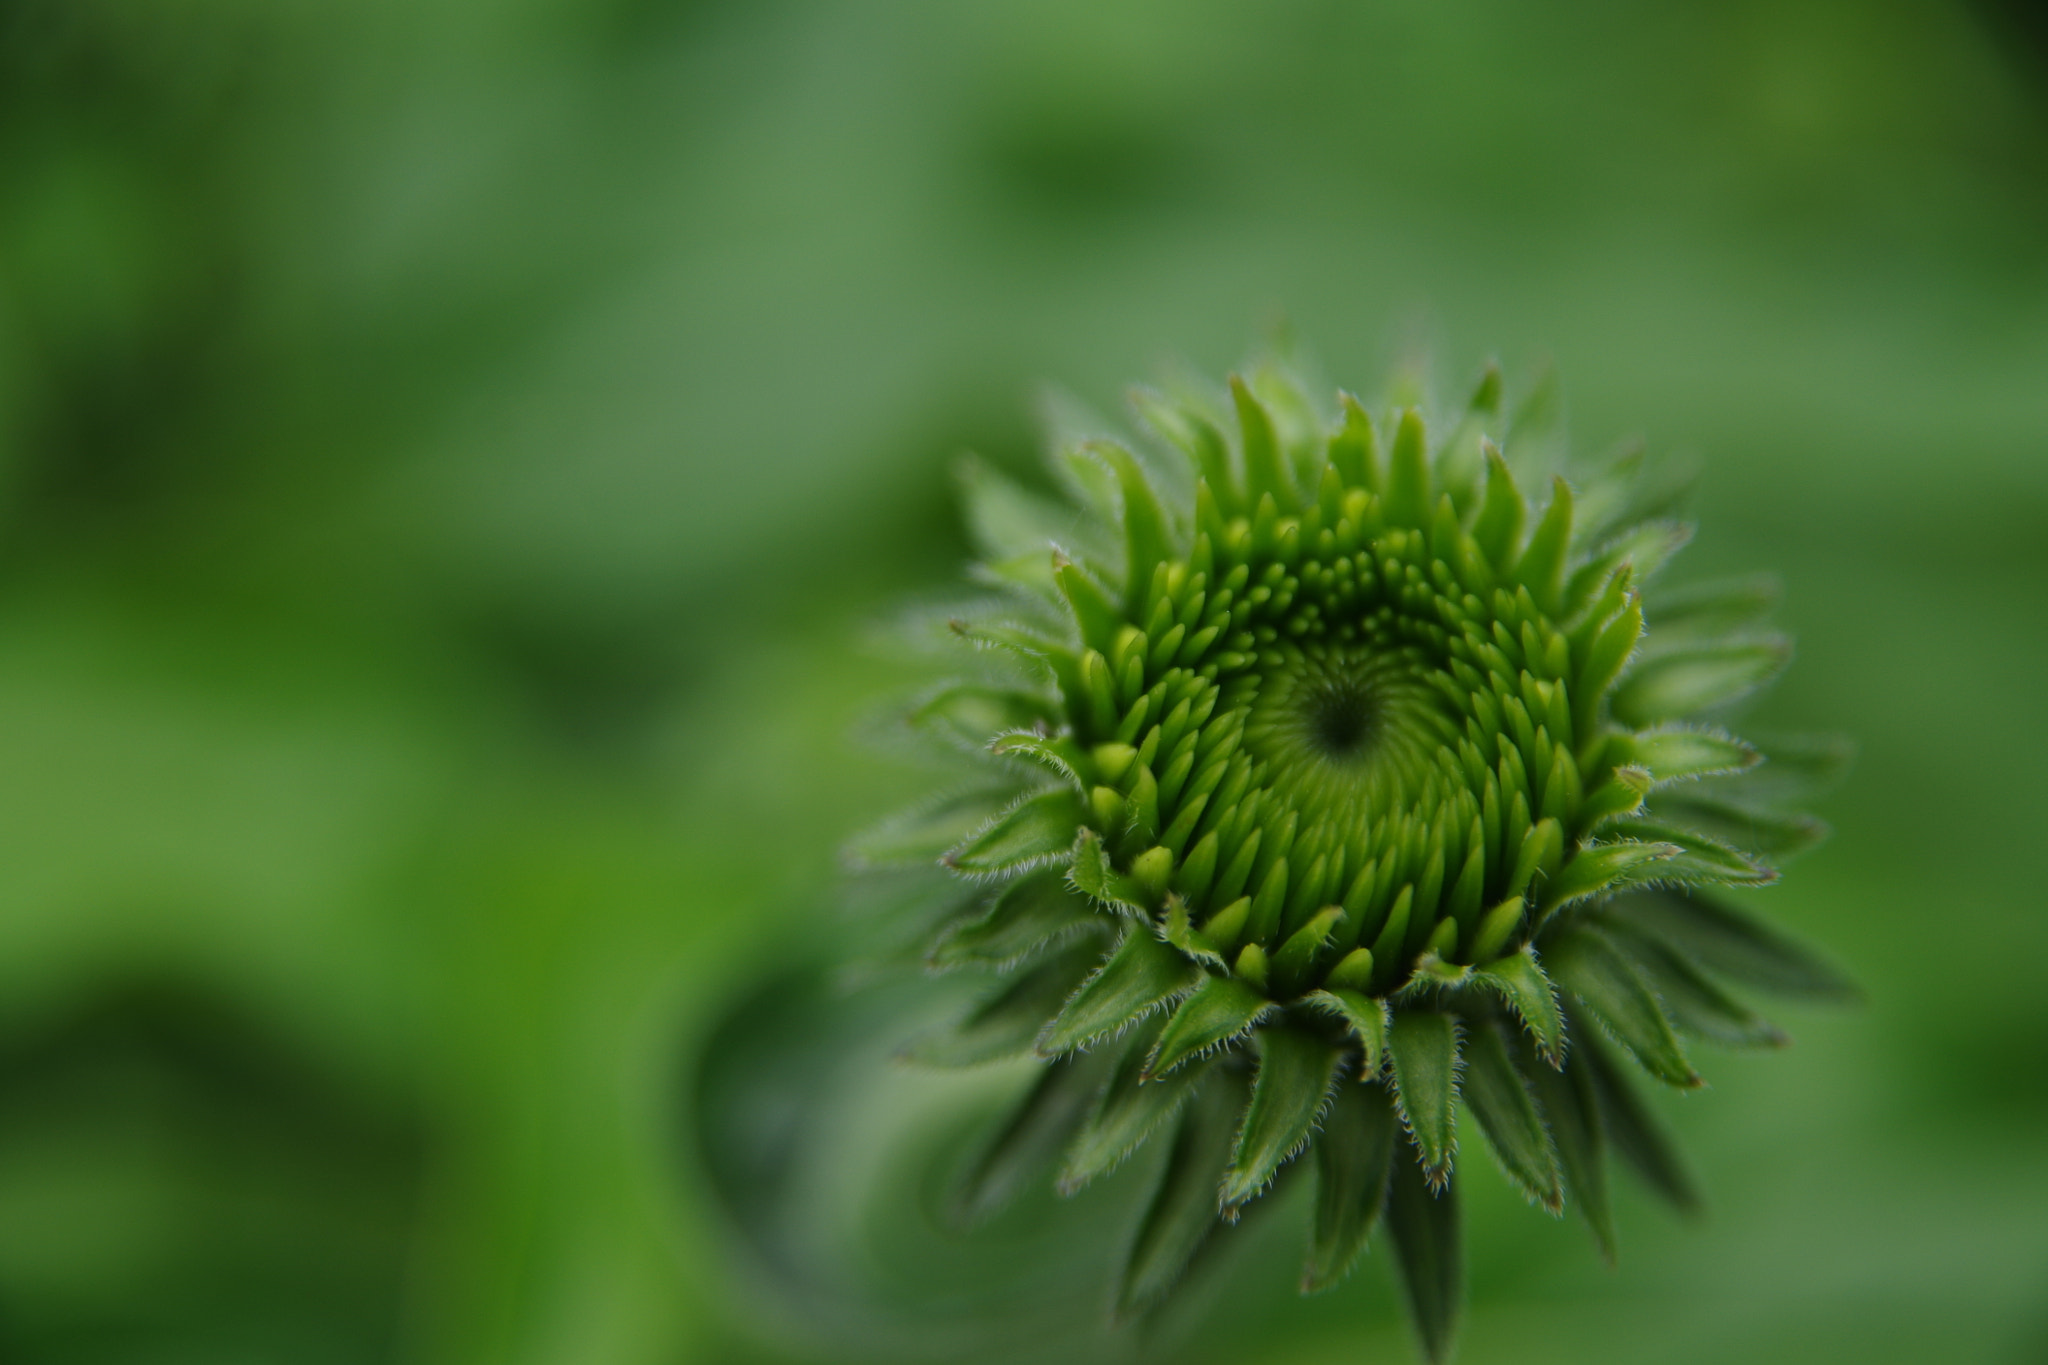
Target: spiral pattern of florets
1330 757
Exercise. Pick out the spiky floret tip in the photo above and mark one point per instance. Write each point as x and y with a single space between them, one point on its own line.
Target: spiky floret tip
1327 778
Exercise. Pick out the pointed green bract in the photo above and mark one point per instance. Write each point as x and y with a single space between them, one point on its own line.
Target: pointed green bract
1132 1107
1308 746
1036 829
1685 682
1521 981
1695 1004
1142 975
1032 913
1507 1116
1353 1159
1296 1071
1424 1047
1028 1140
1635 1134
1222 1008
1674 753
1366 1018
1182 1211
1571 1116
1430 1252
1738 946
1613 991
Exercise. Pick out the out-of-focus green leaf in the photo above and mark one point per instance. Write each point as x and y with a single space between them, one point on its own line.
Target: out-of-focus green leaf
1734 943
1508 1118
1353 1155
1586 964
1425 1226
1684 682
1636 1134
1029 1139
1182 1212
1032 913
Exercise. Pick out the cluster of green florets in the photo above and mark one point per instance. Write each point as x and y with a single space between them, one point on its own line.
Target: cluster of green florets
1330 761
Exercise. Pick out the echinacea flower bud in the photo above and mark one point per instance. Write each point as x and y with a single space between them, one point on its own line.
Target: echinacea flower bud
1339 782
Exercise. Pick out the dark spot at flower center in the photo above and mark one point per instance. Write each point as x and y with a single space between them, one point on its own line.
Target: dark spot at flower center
1341 720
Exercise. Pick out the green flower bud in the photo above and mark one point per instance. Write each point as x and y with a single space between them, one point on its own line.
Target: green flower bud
1379 787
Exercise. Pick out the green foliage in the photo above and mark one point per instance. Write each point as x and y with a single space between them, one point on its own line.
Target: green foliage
1362 759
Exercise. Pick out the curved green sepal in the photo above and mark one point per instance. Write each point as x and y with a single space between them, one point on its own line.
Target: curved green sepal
1296 1073
1354 1155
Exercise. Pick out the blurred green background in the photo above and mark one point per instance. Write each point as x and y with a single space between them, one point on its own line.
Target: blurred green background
450 454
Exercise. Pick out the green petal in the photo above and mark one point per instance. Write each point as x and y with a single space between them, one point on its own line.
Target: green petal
1683 682
1763 834
1032 913
1735 944
1424 1046
1699 858
1182 1212
1353 1156
1587 964
1365 1016
1008 1023
1601 867
1695 1004
1028 1140
1296 1072
1142 975
1508 1118
1132 1107
1635 1132
1037 829
1520 980
1677 752
1571 1113
1221 1009
1428 1248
